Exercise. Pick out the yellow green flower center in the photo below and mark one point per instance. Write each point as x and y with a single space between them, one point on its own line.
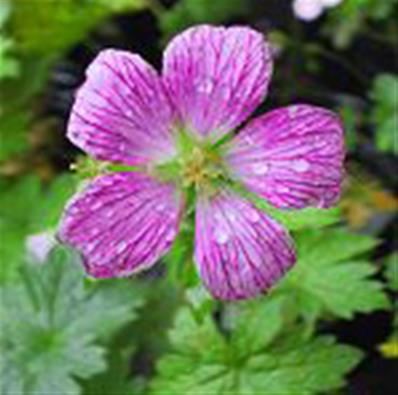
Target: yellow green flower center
200 168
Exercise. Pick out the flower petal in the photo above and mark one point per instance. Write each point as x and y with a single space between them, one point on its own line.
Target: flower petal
217 76
239 250
122 223
121 112
292 156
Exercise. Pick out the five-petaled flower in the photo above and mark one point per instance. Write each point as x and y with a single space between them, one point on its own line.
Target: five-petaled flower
176 131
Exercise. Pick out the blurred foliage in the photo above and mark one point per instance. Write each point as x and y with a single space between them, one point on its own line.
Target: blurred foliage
385 112
353 17
391 272
18 220
382 117
186 13
52 323
9 67
365 199
116 379
15 126
57 23
389 348
60 23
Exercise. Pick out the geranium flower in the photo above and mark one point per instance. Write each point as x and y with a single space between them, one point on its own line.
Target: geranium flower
176 131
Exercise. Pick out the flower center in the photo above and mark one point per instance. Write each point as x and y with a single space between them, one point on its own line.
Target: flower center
201 168
198 164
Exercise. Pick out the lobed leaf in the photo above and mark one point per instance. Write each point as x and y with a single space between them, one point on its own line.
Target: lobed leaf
53 322
294 220
330 278
286 364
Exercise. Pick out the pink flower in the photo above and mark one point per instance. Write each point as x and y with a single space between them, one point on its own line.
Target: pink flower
173 129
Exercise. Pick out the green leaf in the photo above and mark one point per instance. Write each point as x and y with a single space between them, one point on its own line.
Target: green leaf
300 219
391 272
186 13
257 324
5 9
296 366
385 112
53 322
13 132
61 23
350 117
9 67
16 201
16 94
48 209
203 361
332 245
197 358
330 278
347 20
18 220
116 379
116 299
161 303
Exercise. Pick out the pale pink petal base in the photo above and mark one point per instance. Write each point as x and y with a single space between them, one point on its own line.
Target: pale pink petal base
217 76
240 251
122 112
122 223
292 156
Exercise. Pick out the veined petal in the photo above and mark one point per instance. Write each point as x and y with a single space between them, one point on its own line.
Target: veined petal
217 76
121 112
122 223
292 156
240 251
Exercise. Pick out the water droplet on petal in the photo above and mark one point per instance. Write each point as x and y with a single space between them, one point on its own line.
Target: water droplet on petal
260 168
109 213
300 165
206 86
170 235
121 247
221 235
90 247
248 140
231 215
96 205
292 111
254 216
94 231
160 207
98 259
73 210
226 91
282 189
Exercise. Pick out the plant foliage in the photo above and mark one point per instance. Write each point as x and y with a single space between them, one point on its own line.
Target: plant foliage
252 358
52 325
